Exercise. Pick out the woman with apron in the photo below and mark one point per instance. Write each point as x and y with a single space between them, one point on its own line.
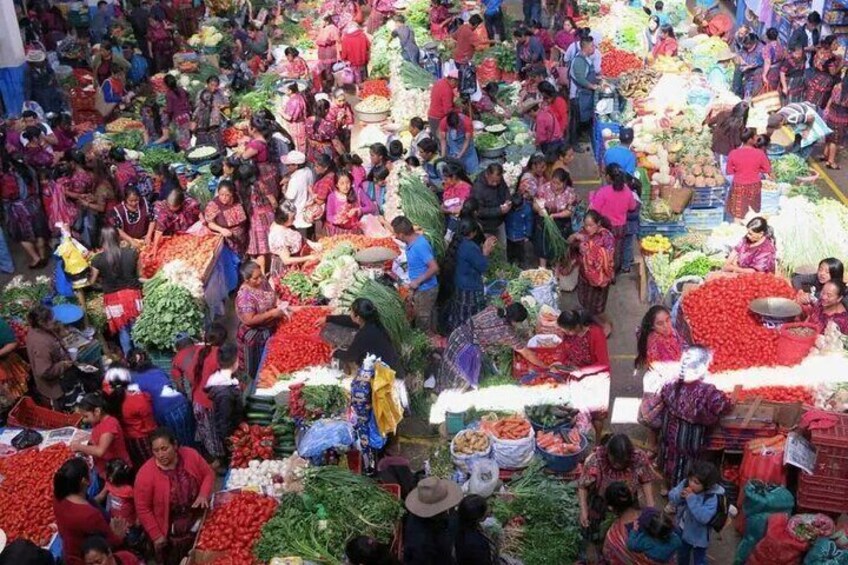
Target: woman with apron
584 79
457 137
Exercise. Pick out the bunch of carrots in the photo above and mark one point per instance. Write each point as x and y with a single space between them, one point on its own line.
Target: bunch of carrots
557 444
511 428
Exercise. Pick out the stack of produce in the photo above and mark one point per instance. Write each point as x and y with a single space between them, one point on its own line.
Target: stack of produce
422 208
335 506
638 83
19 296
322 401
617 62
196 251
251 442
470 442
806 231
295 345
234 526
357 242
549 416
374 105
789 167
169 308
559 442
295 288
284 440
800 394
718 317
275 476
374 87
260 410
655 244
153 157
386 299
26 493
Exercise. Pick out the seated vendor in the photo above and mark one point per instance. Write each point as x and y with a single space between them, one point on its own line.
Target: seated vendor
810 286
755 253
371 337
461 361
829 307
175 215
584 343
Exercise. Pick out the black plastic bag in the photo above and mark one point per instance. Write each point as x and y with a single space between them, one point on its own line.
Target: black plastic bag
27 438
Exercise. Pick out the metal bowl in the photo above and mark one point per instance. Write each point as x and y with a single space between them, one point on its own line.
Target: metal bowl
775 308
375 255
371 117
493 153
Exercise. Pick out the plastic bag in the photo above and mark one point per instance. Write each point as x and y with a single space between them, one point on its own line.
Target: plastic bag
466 462
763 460
760 500
324 435
825 551
484 478
514 453
27 438
545 294
779 544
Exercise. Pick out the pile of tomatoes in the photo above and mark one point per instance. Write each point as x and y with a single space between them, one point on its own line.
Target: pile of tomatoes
778 394
718 316
26 492
235 525
616 62
196 251
251 442
295 345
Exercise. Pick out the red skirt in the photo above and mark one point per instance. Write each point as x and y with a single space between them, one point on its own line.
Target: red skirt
122 308
744 196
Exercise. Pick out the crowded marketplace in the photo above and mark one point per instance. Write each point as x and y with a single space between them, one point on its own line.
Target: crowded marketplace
423 282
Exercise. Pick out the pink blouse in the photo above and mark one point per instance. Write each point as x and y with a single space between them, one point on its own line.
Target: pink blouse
613 204
760 257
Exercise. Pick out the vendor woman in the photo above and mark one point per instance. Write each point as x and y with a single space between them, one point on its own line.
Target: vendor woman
371 337
493 326
755 253
811 285
829 307
584 343
258 313
175 216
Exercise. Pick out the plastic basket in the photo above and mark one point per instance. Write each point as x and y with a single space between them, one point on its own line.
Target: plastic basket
824 494
564 463
28 414
665 228
703 218
162 359
837 436
708 197
792 348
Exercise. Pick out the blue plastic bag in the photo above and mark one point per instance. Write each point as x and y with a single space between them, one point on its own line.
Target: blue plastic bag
375 438
61 281
324 435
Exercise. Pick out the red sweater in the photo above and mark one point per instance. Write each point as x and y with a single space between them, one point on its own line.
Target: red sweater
441 99
210 365
747 165
355 48
76 522
560 110
153 491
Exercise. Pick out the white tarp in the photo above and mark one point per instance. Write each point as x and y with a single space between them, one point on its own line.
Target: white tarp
11 45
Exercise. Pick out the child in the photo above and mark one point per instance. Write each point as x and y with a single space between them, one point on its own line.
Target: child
457 187
107 437
375 186
518 224
225 393
654 536
120 502
695 503
181 365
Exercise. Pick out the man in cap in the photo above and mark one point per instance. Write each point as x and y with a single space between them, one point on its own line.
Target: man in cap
430 530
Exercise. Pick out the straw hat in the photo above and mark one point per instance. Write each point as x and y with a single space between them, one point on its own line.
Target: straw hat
293 158
433 496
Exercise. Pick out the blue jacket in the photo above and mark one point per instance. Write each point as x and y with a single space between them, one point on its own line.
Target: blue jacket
519 222
470 266
694 513
653 548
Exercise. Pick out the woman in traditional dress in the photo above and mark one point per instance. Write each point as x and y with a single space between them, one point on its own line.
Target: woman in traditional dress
836 116
657 340
14 372
124 171
689 407
155 129
134 410
583 341
440 17
171 409
295 66
117 269
747 164
263 195
755 253
825 68
773 56
792 69
294 116
327 41
470 260
288 246
341 114
26 222
160 42
614 461
325 184
457 189
172 491
208 115
829 307
322 134
381 11
751 66
133 219
667 44
456 132
226 216
461 363
178 112
555 199
258 313
595 246
345 206
175 215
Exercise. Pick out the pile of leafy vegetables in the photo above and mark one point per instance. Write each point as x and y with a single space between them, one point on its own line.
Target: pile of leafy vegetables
168 310
487 140
549 509
422 208
327 400
155 156
20 296
789 167
335 506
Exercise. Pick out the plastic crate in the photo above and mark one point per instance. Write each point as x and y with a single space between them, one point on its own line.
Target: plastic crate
837 436
703 218
708 197
822 494
28 414
667 229
162 359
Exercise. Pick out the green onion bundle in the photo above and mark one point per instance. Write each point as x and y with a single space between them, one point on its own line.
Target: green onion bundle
390 307
421 206
553 237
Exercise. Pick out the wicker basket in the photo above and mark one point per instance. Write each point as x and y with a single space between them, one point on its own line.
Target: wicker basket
28 414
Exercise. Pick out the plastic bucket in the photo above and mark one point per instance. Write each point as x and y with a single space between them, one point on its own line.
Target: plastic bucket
454 422
564 463
792 347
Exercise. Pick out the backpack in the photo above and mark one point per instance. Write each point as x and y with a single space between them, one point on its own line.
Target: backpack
467 79
718 521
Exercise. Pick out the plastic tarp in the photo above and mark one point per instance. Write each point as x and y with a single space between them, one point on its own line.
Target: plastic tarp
12 63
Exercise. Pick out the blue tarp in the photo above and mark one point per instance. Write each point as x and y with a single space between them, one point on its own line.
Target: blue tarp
12 89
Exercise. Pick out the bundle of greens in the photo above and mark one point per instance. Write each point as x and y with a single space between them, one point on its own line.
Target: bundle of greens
152 158
548 507
498 367
324 400
335 506
256 100
300 285
128 139
19 296
421 206
168 310
415 352
487 141
553 237
415 77
390 307
789 167
198 189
